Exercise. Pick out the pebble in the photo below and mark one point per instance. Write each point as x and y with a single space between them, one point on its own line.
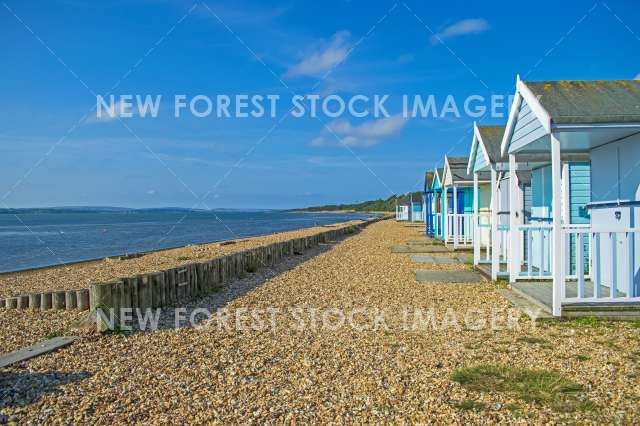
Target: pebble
320 375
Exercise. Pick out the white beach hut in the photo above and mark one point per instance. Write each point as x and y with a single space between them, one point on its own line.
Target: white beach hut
403 206
580 140
490 200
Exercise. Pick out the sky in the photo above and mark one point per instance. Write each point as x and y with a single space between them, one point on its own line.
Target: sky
60 55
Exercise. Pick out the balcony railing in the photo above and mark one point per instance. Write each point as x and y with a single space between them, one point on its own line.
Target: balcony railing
484 236
601 265
503 239
537 251
459 229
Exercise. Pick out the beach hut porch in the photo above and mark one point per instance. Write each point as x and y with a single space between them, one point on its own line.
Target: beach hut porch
581 234
490 201
457 196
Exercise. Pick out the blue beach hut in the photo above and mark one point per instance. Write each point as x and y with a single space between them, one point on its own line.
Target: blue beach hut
429 205
416 203
438 203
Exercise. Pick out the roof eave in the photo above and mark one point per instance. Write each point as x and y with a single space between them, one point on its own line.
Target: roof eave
587 126
474 142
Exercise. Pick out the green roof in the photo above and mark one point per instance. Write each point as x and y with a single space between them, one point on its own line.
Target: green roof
589 102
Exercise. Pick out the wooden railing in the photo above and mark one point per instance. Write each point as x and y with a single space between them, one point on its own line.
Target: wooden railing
460 229
600 265
537 251
503 238
484 236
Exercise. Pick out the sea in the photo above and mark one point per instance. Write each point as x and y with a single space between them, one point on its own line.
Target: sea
38 238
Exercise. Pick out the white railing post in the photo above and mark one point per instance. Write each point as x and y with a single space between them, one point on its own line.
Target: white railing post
631 266
556 253
456 231
515 198
529 252
596 274
446 214
495 238
477 240
614 265
579 264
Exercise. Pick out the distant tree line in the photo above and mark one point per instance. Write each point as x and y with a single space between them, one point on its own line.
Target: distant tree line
381 205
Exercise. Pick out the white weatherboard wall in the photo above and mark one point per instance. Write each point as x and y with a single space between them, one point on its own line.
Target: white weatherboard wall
527 129
615 175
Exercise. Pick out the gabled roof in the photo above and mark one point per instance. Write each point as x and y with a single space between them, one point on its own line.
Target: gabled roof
589 102
576 102
491 140
488 140
403 200
439 174
457 166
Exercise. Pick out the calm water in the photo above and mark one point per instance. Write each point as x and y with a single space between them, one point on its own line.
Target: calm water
53 238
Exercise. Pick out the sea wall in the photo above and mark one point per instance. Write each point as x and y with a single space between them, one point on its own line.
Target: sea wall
168 287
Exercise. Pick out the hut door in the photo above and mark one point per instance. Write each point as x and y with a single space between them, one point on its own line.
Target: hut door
460 201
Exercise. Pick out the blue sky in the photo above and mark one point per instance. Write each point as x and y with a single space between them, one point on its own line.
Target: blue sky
57 55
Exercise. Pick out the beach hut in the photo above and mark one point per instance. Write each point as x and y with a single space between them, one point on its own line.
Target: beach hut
416 203
438 203
580 141
457 195
402 208
490 200
429 205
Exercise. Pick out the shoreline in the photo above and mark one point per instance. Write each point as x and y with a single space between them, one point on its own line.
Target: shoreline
81 274
120 256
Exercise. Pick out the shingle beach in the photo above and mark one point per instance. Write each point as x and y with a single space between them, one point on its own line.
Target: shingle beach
293 372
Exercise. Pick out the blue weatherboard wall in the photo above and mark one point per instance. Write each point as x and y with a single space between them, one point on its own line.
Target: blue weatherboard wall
541 194
541 203
579 196
580 191
417 211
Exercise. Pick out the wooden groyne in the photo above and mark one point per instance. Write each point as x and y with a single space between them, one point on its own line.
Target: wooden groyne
167 287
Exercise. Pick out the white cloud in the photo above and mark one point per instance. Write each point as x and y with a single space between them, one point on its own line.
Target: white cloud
637 77
366 134
323 58
110 113
464 27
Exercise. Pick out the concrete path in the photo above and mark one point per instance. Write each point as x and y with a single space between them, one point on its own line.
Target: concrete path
455 277
419 249
435 260
524 305
424 242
